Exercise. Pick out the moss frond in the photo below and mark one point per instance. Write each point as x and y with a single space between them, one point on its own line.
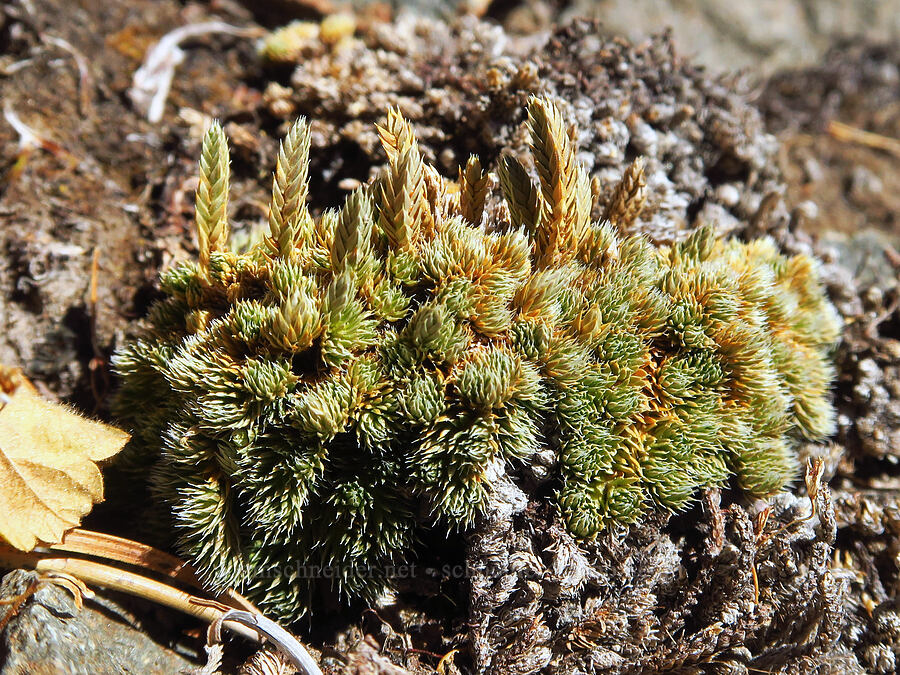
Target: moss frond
628 197
289 220
212 194
522 196
473 190
564 185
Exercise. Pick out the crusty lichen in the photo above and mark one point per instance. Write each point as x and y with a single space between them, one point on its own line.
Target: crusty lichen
315 400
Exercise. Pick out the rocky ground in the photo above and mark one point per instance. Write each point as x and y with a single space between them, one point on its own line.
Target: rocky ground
805 153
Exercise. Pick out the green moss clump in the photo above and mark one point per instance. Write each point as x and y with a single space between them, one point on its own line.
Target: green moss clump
315 400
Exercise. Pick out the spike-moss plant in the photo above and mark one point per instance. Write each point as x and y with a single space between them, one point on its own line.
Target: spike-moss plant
314 400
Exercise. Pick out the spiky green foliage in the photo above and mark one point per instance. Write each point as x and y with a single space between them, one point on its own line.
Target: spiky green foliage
314 401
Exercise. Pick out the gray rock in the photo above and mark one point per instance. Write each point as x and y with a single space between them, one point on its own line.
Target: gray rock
50 634
764 35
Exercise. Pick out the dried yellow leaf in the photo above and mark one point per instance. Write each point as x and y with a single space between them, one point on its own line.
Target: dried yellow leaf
49 478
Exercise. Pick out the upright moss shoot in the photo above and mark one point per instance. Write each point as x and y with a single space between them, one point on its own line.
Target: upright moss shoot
315 400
